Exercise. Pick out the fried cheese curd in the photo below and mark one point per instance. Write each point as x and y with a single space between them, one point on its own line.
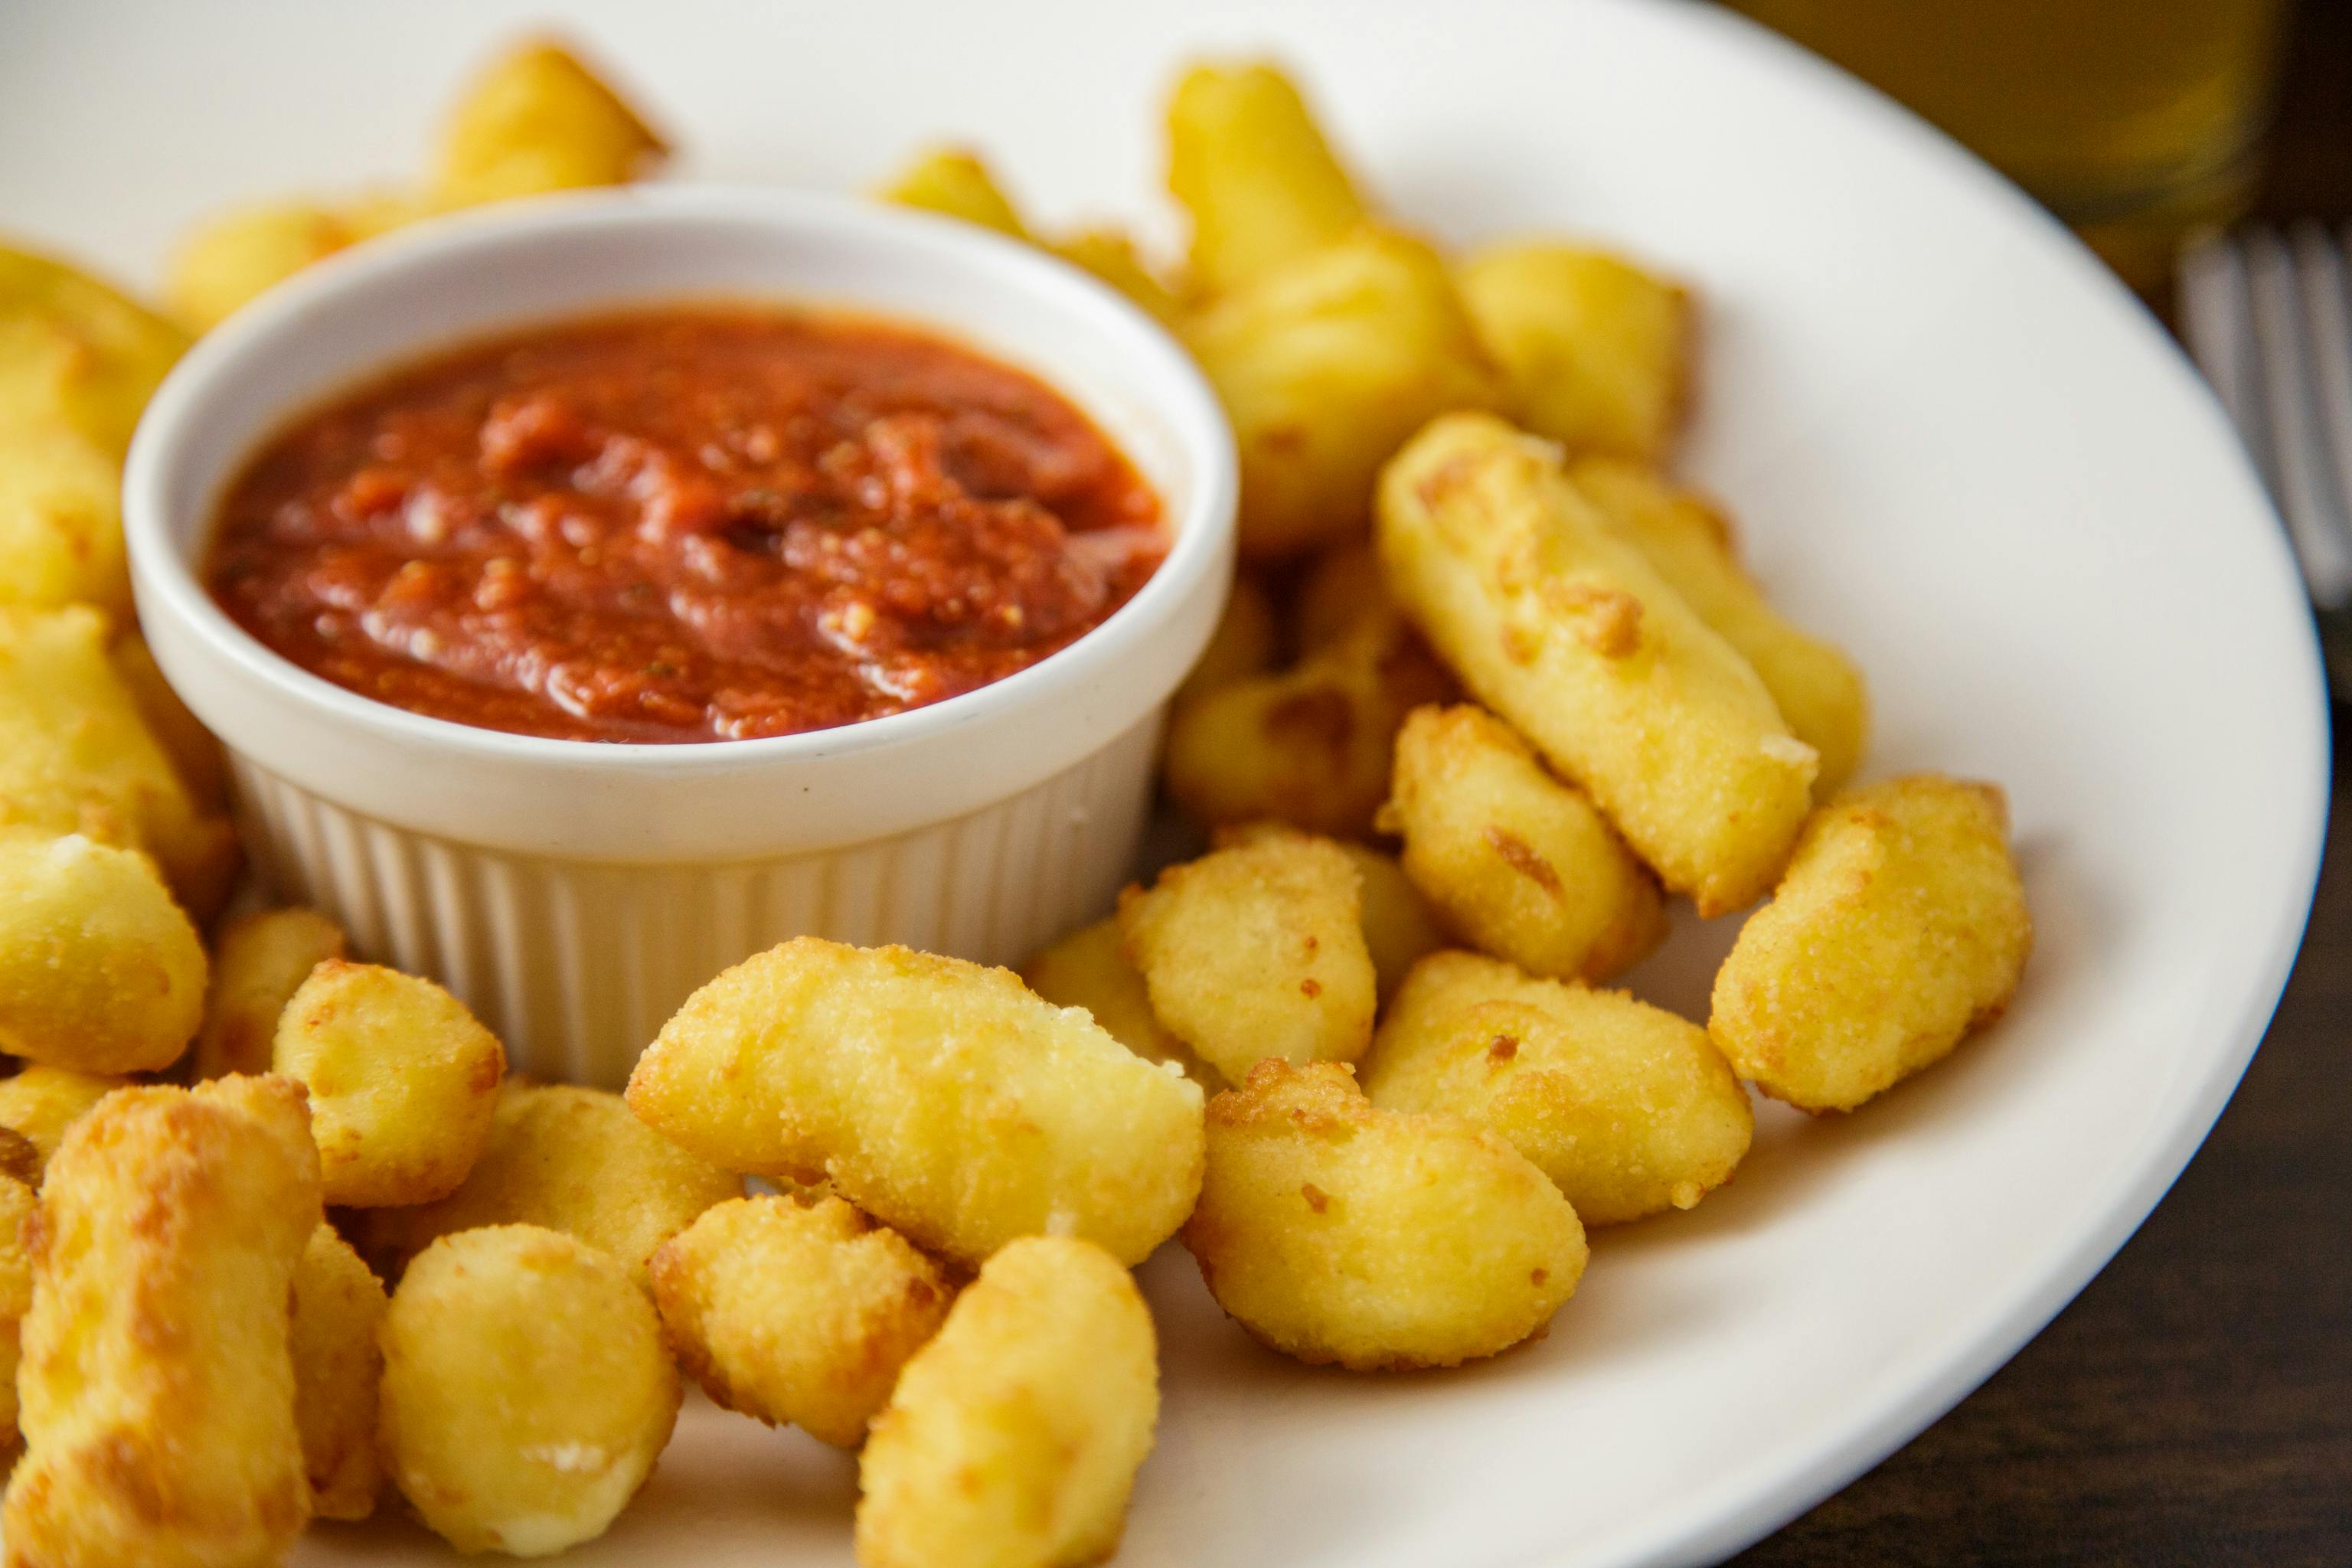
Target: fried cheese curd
1246 642
1818 689
403 1080
1900 927
1090 969
1112 254
1568 633
1325 363
76 756
60 513
99 971
1014 1436
259 962
1258 950
1309 744
1335 1231
944 1099
338 1366
535 120
567 1158
1328 338
1400 927
527 1392
956 182
16 1203
797 1313
194 752
1252 172
1341 592
157 1387
20 1159
40 1102
78 347
1628 1109
1516 863
78 361
236 255
1597 350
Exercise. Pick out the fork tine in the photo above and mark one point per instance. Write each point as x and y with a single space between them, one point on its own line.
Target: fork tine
2216 318
2327 303
2305 489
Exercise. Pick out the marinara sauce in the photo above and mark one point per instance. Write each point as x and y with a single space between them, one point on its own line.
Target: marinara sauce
693 523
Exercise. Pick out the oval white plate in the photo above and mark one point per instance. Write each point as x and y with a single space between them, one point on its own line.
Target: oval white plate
1952 444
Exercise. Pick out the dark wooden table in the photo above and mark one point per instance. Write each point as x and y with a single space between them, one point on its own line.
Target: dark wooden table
2194 1405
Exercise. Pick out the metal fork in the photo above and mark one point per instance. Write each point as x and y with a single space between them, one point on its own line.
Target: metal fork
2269 318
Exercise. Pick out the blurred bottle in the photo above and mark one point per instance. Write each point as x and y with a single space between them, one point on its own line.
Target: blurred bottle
2134 121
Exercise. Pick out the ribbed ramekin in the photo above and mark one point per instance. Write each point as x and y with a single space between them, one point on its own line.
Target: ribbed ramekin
573 892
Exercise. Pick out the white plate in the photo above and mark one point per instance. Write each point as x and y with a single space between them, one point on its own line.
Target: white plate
1953 444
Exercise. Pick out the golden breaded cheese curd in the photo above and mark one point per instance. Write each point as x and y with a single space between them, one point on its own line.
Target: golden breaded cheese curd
535 121
78 362
235 256
1900 927
1248 638
61 518
1569 635
15 1295
338 1305
538 119
1628 1109
1258 950
955 182
76 757
41 1102
1399 928
78 348
1111 255
269 1100
1090 969
1014 1437
258 963
1334 1231
944 1099
1598 351
1519 864
243 252
156 1388
1310 745
527 1392
568 1159
203 766
230 259
1251 168
1817 689
403 1080
1341 594
99 971
797 1313
1325 364
18 1158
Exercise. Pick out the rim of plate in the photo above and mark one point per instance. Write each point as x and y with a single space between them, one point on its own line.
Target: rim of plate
1744 1507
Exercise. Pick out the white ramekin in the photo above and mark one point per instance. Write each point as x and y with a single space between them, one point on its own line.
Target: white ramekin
573 892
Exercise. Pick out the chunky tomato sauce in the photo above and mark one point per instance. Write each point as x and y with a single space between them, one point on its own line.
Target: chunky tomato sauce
685 524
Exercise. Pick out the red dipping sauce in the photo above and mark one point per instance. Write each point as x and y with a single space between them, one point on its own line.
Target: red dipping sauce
693 523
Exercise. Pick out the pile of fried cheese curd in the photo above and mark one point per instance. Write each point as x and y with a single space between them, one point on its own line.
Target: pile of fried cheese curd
281 1239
